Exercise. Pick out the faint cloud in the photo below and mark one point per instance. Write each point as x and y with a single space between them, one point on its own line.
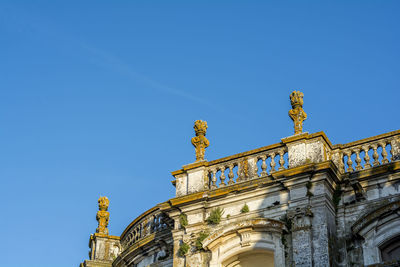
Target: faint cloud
124 68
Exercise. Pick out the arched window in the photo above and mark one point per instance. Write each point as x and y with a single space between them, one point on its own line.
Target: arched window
380 230
390 250
251 259
247 243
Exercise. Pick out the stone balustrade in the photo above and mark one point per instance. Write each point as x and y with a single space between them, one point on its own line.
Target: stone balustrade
291 152
236 169
367 153
146 225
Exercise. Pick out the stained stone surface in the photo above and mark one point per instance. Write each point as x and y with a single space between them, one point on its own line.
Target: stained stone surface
313 212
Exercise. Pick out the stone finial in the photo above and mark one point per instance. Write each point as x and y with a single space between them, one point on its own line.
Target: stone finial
103 216
297 113
200 141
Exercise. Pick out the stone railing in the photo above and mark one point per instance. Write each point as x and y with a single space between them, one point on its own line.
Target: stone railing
146 225
245 166
367 153
291 152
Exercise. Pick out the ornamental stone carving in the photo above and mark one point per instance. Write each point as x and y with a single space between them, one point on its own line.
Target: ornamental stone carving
297 113
103 216
200 141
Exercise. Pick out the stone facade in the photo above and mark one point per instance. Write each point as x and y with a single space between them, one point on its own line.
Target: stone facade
300 202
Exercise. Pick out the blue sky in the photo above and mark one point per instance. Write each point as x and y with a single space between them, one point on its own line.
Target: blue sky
99 98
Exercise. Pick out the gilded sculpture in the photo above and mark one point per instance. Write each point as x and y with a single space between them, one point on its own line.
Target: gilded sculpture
200 141
103 216
297 113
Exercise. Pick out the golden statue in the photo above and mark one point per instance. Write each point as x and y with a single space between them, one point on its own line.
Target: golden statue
200 141
103 216
297 113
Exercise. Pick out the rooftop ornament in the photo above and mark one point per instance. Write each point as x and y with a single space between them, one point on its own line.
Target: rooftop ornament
103 216
200 141
297 113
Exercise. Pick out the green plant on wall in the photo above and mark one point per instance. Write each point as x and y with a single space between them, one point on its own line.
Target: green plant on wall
215 216
183 220
183 249
199 241
245 209
288 222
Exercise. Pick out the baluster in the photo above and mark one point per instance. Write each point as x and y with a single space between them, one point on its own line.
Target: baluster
384 153
349 162
272 164
366 157
375 156
341 162
214 179
151 224
392 144
148 226
264 166
131 238
255 171
144 229
231 175
358 160
222 177
281 160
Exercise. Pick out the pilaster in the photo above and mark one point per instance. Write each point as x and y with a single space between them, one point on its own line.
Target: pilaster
301 220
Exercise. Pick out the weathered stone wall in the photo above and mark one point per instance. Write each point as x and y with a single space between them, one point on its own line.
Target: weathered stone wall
316 209
377 192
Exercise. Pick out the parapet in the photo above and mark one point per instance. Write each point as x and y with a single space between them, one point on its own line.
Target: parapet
299 149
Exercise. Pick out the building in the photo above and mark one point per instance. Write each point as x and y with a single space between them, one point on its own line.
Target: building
300 202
